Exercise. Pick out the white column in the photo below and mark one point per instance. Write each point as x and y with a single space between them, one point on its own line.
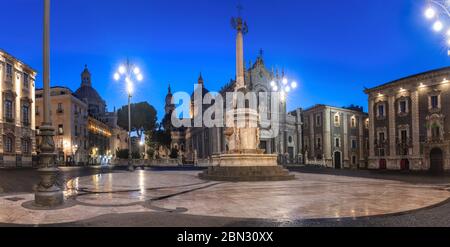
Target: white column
240 60
371 128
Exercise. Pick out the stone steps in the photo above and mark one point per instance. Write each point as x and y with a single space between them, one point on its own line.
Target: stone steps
239 174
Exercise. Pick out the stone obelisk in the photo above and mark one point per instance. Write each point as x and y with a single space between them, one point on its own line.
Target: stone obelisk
243 161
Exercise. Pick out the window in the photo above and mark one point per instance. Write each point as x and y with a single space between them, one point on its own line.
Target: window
76 130
318 121
8 71
381 136
25 114
354 144
367 123
319 142
37 110
402 106
37 130
337 142
404 136
60 107
26 146
8 109
381 152
336 120
434 102
353 122
9 144
354 160
26 80
380 112
60 129
436 132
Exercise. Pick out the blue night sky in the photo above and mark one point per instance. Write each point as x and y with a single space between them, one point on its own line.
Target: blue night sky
333 48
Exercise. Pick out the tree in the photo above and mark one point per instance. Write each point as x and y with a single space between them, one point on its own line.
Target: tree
143 118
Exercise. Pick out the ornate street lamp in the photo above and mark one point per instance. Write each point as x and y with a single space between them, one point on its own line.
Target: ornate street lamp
438 12
129 73
48 194
283 86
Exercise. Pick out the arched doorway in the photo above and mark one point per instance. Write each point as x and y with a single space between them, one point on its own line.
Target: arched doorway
404 164
436 161
337 160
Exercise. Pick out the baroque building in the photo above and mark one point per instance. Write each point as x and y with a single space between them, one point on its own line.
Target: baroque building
336 137
17 118
409 127
104 135
69 118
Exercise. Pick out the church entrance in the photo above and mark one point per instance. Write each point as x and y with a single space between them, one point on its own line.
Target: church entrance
436 161
337 160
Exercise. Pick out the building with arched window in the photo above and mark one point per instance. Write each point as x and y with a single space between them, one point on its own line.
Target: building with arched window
17 119
410 119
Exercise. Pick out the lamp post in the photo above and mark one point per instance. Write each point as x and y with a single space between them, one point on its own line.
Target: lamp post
129 73
438 11
48 194
283 86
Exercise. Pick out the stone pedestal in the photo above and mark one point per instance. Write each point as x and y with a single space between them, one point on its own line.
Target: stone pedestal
244 161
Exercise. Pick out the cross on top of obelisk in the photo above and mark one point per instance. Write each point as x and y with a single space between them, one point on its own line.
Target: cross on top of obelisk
239 8
238 23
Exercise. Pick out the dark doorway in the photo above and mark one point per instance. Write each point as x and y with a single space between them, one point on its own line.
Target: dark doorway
263 146
436 161
404 164
383 164
291 153
337 160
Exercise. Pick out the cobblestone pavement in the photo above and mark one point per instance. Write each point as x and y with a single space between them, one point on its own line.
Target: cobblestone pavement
18 181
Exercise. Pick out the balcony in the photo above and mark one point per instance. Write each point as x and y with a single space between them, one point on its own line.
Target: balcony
60 111
380 143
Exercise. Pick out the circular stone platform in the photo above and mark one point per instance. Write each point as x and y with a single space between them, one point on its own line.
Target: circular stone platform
309 196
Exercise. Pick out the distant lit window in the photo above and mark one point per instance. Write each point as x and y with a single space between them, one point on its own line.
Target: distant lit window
8 109
25 114
402 105
26 146
9 144
9 69
26 80
353 122
60 129
381 112
434 102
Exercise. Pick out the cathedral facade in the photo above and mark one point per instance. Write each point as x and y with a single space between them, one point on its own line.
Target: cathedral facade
199 144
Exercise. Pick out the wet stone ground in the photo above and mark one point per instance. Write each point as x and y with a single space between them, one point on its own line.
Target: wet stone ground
342 198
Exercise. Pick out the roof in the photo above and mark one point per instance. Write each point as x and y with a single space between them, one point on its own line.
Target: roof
13 57
334 107
405 79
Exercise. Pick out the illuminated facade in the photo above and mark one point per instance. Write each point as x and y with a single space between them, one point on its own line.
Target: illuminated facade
410 119
69 118
99 135
17 119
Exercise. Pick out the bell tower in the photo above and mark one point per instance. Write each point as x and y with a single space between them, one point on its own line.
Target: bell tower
86 77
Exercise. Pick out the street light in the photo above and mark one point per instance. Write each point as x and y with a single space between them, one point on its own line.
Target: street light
438 12
284 87
129 73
